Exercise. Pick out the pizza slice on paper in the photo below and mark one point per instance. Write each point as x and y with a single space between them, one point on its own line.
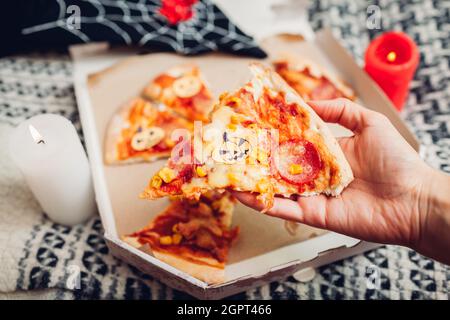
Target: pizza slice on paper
263 138
193 236
182 89
141 131
310 80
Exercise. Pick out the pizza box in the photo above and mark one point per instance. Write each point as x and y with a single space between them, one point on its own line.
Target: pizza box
105 78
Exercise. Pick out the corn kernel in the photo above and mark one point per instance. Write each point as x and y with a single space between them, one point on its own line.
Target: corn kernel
231 126
201 171
176 238
295 168
262 186
262 156
169 142
232 177
156 182
166 240
236 119
167 174
175 228
223 95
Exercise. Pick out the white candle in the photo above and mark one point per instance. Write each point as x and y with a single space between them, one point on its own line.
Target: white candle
49 153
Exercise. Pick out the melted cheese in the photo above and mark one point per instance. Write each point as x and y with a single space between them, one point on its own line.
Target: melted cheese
239 174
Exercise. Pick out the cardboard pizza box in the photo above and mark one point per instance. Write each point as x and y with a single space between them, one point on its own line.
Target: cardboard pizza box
104 79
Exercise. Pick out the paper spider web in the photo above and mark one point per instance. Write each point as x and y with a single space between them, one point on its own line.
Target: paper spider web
139 23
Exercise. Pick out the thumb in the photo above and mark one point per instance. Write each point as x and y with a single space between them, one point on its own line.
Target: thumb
342 111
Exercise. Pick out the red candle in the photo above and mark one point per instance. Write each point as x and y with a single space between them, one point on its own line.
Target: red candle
391 60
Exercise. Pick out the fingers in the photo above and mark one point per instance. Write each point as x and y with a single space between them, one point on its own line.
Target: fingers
342 111
286 209
309 210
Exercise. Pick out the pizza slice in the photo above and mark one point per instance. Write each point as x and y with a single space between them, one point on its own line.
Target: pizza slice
310 80
193 236
141 132
183 90
263 138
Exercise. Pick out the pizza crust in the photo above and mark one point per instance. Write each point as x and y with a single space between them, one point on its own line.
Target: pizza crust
181 70
207 270
206 273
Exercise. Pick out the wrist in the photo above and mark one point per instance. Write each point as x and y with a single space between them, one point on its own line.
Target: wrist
434 216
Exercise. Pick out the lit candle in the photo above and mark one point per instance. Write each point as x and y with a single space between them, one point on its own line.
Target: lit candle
47 150
391 56
391 60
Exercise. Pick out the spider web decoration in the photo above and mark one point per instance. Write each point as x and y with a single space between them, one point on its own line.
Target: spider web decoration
58 23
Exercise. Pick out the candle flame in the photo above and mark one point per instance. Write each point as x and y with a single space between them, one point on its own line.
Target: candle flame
37 137
391 56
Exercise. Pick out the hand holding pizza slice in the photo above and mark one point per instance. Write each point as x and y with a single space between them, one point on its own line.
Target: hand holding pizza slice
264 139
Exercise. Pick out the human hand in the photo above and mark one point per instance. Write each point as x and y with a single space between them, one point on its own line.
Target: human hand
389 199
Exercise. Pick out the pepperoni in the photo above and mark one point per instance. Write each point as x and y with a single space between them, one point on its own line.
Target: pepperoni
325 91
299 152
160 147
186 173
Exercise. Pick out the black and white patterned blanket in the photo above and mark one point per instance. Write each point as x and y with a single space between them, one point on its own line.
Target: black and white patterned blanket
36 254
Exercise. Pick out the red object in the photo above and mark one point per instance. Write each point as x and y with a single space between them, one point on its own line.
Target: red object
391 60
176 11
300 152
